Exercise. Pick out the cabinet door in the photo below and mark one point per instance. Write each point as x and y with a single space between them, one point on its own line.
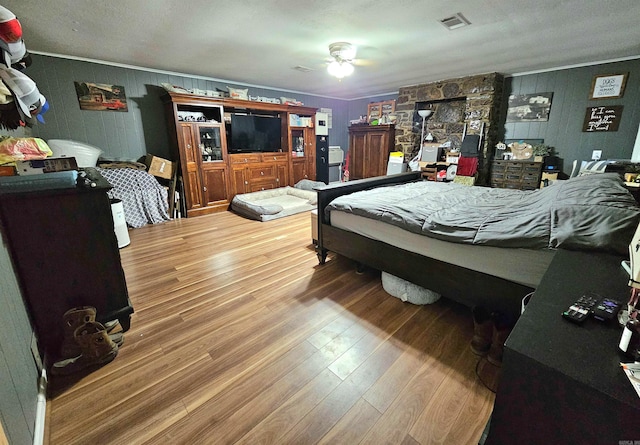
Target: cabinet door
282 174
191 169
239 179
299 169
215 184
376 154
357 163
310 153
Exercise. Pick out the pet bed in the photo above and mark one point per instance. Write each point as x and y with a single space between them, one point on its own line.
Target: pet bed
266 205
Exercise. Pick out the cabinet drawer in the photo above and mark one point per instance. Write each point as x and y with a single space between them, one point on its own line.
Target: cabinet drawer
264 171
511 185
516 166
533 177
245 158
257 186
532 168
271 157
500 165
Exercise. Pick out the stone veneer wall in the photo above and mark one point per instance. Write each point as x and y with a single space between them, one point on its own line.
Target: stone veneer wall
482 95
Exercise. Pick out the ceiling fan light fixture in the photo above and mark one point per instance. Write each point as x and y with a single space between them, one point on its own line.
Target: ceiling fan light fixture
340 69
343 53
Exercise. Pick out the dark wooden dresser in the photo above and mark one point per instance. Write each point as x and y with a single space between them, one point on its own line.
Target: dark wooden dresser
65 253
521 175
561 383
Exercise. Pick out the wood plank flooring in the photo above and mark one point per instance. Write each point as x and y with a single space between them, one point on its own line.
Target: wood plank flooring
239 336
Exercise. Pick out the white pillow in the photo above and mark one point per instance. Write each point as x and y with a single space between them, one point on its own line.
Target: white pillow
237 93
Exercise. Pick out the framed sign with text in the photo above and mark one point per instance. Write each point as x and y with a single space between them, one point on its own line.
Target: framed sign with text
602 118
607 86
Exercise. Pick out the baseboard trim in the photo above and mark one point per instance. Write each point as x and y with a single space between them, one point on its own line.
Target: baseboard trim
41 410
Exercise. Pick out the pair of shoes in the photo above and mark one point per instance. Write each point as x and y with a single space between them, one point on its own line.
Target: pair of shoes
86 342
489 334
96 348
78 316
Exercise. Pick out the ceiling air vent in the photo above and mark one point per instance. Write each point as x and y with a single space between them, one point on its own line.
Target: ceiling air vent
455 21
302 69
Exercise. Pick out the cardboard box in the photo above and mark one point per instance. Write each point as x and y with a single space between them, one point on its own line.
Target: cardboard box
159 167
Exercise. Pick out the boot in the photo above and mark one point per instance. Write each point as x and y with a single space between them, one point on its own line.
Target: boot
96 349
76 317
72 320
500 334
482 331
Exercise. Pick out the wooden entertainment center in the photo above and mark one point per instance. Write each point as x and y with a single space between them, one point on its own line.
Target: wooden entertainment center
212 176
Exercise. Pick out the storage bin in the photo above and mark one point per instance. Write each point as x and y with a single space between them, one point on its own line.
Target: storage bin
86 155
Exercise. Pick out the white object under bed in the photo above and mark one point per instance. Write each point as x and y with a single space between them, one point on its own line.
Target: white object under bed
524 266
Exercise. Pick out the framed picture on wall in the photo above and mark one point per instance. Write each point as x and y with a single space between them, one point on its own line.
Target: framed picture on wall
374 111
529 107
101 96
607 86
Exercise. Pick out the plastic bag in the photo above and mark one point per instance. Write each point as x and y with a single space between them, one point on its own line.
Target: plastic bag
23 149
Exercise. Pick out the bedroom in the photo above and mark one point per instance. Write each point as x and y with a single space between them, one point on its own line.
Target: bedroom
143 130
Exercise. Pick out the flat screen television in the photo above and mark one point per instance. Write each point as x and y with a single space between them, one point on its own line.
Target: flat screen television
250 133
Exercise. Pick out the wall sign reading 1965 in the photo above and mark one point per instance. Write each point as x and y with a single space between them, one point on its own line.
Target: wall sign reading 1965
602 118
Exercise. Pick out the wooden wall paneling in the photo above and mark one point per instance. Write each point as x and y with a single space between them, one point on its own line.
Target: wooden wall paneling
571 89
19 387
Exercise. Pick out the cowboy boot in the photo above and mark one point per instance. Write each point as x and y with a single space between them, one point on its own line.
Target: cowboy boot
482 331
96 349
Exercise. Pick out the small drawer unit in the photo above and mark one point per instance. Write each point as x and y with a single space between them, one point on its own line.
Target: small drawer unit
520 175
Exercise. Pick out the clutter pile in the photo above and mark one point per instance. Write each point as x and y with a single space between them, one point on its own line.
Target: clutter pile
86 342
21 103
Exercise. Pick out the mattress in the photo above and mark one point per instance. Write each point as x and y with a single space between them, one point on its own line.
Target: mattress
519 265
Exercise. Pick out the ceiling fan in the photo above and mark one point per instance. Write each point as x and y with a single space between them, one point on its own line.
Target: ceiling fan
343 55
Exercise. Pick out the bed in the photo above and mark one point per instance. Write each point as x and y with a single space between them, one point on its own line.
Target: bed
475 245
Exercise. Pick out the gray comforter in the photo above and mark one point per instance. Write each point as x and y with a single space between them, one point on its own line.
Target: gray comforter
588 212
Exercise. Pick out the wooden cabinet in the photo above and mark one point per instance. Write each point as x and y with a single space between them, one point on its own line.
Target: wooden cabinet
369 148
521 175
303 153
200 141
259 171
65 253
211 175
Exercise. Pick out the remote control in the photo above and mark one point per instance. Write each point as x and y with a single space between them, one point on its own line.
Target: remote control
606 309
581 309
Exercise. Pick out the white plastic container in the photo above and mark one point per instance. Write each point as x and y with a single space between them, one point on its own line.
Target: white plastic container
86 155
119 223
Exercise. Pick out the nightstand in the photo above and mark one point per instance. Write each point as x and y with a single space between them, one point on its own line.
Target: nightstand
562 382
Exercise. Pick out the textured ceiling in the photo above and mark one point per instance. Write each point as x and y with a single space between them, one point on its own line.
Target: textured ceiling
399 43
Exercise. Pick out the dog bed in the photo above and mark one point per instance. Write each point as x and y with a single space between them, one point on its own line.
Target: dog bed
266 205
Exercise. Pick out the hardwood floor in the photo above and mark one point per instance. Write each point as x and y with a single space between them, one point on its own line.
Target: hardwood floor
239 336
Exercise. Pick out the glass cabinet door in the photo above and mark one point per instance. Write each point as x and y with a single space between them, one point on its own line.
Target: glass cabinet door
210 143
297 142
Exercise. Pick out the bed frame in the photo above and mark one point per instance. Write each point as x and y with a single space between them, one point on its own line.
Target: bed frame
463 285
